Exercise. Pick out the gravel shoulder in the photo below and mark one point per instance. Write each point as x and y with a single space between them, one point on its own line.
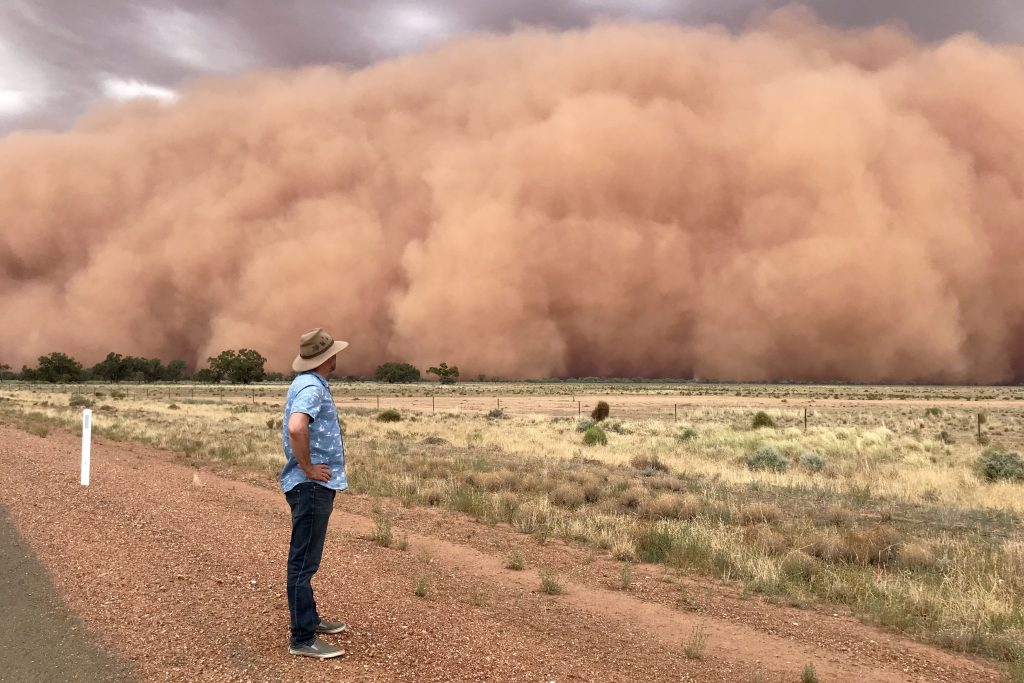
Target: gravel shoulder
180 572
41 640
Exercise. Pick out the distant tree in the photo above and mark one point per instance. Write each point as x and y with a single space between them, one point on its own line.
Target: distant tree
175 371
28 374
447 375
144 369
5 371
247 367
59 367
393 373
243 366
204 375
112 368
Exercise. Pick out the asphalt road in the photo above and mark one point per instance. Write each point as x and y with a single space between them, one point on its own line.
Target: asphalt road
41 641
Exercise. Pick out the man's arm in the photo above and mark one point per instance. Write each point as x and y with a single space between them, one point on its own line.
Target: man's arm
298 435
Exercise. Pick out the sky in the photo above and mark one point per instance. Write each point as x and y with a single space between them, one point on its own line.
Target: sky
59 58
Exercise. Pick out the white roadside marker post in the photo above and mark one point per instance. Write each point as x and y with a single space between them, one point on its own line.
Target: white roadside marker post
86 444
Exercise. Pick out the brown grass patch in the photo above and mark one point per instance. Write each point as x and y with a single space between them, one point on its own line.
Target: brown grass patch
568 495
838 516
878 545
916 555
829 547
765 540
760 513
643 461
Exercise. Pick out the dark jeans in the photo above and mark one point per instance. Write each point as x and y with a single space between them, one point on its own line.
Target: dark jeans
311 508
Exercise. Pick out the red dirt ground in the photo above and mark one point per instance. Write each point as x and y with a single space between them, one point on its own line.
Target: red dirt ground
182 574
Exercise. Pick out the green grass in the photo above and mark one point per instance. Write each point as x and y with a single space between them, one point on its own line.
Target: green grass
808 675
515 561
697 643
382 534
626 576
549 583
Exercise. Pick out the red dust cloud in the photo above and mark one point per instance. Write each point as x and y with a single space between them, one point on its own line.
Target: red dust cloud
791 202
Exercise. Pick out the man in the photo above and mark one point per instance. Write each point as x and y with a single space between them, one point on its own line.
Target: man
313 472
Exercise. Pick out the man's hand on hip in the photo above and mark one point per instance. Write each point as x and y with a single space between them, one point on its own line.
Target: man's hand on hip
317 472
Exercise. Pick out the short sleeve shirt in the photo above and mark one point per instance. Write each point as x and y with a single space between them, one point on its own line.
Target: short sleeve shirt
310 394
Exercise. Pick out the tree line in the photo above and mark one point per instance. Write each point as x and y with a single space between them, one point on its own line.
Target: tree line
241 366
238 366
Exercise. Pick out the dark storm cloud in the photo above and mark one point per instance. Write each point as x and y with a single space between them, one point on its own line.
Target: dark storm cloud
58 58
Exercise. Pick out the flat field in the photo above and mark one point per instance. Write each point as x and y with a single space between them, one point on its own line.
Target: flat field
871 500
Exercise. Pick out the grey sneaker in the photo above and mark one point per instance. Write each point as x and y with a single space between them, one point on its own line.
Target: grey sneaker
331 626
318 649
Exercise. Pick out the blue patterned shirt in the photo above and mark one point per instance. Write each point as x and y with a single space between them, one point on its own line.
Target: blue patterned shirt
310 394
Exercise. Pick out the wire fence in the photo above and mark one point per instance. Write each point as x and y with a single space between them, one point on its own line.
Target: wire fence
960 418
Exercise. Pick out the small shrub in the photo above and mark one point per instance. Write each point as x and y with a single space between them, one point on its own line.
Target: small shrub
767 458
760 513
403 543
584 424
694 648
932 412
648 463
687 434
762 419
837 515
633 497
421 586
664 506
173 406
879 545
808 675
812 462
595 436
799 566
549 583
435 441
389 415
80 401
626 575
765 540
829 548
38 428
946 438
623 548
567 495
116 394
997 466
600 411
515 562
382 535
916 555
496 414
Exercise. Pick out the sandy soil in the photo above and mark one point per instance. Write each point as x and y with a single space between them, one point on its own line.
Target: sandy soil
180 572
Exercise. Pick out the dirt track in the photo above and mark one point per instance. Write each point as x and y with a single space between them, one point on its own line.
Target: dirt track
183 577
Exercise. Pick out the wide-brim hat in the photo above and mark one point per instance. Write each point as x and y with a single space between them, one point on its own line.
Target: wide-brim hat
315 347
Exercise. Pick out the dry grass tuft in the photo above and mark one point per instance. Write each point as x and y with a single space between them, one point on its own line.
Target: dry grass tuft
878 545
838 516
760 513
568 495
765 540
916 555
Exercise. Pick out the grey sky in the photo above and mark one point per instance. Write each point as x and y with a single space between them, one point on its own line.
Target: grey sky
59 57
